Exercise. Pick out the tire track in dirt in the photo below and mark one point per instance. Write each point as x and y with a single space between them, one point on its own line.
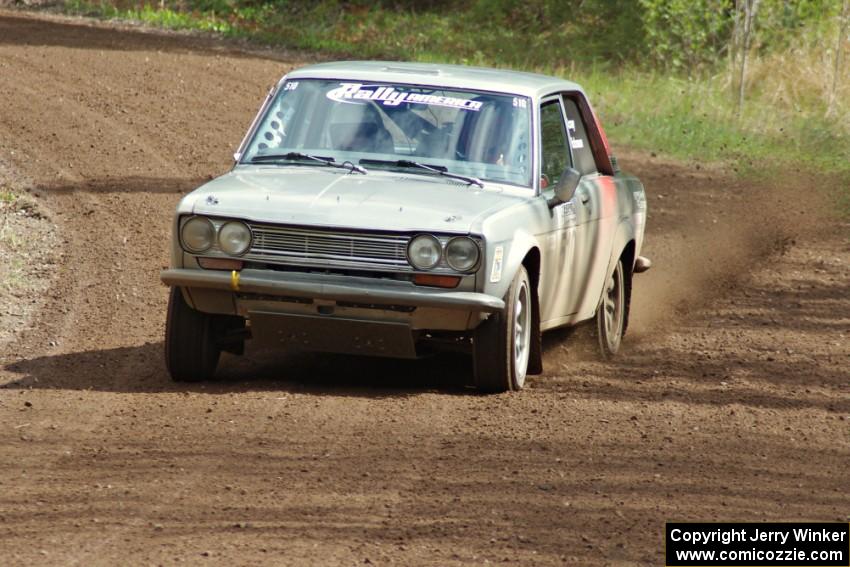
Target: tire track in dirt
294 459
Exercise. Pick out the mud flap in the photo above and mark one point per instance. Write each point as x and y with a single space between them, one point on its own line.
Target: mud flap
535 357
642 264
627 282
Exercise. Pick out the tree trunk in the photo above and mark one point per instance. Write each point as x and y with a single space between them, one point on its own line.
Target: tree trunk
839 47
735 45
751 9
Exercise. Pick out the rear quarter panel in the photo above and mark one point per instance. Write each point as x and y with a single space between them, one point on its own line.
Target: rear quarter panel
622 220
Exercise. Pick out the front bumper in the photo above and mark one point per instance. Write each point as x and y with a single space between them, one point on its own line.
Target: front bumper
332 287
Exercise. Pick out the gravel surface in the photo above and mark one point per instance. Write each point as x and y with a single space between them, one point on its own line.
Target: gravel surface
731 401
30 249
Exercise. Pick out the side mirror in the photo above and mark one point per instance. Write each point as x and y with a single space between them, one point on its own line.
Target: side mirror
566 187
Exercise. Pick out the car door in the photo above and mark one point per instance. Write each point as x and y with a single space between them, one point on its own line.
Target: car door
556 286
596 202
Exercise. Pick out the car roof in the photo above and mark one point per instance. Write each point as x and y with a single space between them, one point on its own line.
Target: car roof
438 75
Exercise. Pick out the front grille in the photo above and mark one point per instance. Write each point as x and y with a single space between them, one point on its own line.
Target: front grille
329 248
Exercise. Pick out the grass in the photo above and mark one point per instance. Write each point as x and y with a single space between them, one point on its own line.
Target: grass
11 240
694 120
7 197
13 202
12 273
165 18
783 124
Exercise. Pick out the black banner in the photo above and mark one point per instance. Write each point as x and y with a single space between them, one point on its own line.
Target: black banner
762 545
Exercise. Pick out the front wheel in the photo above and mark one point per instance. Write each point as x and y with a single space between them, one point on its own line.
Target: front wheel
191 349
502 343
611 316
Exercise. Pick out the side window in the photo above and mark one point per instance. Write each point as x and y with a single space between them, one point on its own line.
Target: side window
582 152
555 154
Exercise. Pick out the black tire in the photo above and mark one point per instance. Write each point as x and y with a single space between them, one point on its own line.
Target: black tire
612 315
191 349
500 358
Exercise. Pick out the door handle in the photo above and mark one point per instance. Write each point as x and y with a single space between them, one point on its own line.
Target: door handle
585 198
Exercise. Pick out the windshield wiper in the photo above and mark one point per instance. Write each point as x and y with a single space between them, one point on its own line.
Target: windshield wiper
439 169
299 156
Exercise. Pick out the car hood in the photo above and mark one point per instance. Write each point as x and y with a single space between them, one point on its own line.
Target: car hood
381 200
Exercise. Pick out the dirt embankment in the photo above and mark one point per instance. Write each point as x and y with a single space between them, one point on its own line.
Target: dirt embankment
730 403
30 247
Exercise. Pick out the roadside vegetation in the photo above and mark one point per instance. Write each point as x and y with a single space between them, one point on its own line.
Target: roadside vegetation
753 84
7 197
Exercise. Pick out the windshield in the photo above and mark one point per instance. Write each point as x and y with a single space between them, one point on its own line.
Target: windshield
475 134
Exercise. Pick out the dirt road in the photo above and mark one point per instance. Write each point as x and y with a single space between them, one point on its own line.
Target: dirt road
731 402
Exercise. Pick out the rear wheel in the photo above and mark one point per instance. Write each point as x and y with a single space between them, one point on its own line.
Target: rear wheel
611 316
191 349
502 343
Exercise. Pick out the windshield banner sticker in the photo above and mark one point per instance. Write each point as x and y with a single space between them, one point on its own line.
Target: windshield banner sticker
351 93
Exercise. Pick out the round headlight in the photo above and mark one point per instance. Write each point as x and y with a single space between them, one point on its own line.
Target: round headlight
424 252
462 253
234 238
197 234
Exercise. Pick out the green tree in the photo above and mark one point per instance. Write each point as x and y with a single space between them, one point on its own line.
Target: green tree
686 35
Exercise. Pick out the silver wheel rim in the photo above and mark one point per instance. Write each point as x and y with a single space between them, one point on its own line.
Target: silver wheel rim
612 305
522 333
